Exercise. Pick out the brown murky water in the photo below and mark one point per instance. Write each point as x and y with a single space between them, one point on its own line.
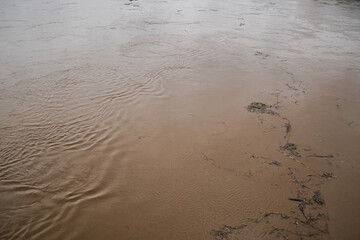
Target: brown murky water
129 119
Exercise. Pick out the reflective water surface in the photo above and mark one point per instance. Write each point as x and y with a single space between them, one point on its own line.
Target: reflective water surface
128 119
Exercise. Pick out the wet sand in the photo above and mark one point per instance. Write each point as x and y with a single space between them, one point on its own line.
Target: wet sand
179 119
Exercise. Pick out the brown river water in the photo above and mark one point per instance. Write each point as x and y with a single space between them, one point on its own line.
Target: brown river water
130 119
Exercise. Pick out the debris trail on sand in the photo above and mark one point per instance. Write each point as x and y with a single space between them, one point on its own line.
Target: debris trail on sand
309 217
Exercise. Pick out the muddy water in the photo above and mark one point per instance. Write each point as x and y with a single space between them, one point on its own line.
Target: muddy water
129 119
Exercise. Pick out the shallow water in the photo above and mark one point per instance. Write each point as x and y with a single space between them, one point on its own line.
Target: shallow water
128 119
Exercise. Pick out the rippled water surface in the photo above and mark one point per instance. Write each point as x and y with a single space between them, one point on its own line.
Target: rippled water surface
128 120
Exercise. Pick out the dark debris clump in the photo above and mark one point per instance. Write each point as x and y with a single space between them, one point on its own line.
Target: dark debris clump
276 163
291 147
258 107
318 198
328 175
